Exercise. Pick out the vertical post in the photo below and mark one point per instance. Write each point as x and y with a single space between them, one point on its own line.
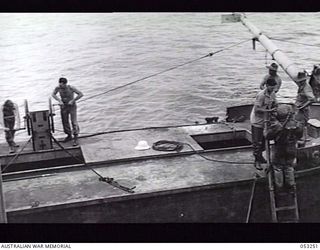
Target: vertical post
267 142
270 171
3 215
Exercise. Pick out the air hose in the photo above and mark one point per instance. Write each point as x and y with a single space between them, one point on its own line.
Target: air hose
165 145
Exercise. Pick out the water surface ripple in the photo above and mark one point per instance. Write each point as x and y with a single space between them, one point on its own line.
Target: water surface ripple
100 51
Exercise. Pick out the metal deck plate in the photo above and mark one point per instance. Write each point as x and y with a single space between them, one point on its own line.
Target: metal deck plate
149 177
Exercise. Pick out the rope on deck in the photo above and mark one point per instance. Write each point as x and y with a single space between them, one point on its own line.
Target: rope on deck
108 180
222 161
164 145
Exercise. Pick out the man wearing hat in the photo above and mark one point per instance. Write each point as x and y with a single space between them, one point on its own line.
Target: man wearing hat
273 68
315 82
304 99
68 106
265 102
10 122
285 131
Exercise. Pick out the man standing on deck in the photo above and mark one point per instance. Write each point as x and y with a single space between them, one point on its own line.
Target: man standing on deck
304 99
68 107
10 122
265 102
273 68
315 82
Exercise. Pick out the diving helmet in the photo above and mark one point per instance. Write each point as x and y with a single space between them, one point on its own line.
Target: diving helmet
283 110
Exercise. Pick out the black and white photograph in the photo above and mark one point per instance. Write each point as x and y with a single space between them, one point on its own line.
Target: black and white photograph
160 117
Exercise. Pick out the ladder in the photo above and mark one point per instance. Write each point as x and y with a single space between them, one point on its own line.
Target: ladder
284 204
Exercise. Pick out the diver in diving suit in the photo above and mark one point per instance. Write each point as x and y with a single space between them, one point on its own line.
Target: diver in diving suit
285 131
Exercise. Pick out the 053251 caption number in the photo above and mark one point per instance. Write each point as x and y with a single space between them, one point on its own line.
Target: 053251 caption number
309 245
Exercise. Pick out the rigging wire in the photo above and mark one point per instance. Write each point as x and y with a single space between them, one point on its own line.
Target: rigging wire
75 157
16 156
85 135
108 180
166 70
266 58
283 40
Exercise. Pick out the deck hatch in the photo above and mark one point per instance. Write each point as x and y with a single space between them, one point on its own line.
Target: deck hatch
223 140
41 160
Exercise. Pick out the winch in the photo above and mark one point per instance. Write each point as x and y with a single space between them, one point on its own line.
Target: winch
40 125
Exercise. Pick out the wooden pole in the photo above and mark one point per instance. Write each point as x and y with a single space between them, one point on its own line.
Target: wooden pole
270 172
277 54
3 215
285 63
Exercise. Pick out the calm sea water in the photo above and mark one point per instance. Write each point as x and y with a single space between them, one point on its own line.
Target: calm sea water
100 51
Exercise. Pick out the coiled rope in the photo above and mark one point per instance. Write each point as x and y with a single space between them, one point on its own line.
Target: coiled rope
166 70
167 146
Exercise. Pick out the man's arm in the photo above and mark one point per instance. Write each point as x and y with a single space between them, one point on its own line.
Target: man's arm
17 116
273 130
279 82
260 107
299 131
79 95
265 109
1 118
2 127
307 92
263 82
54 95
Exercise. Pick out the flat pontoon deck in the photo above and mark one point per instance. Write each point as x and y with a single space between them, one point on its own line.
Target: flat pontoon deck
113 155
166 182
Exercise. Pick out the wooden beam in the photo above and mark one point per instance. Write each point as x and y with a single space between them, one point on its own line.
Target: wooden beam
3 215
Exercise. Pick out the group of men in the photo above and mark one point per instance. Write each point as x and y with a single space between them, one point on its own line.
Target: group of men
10 118
283 123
